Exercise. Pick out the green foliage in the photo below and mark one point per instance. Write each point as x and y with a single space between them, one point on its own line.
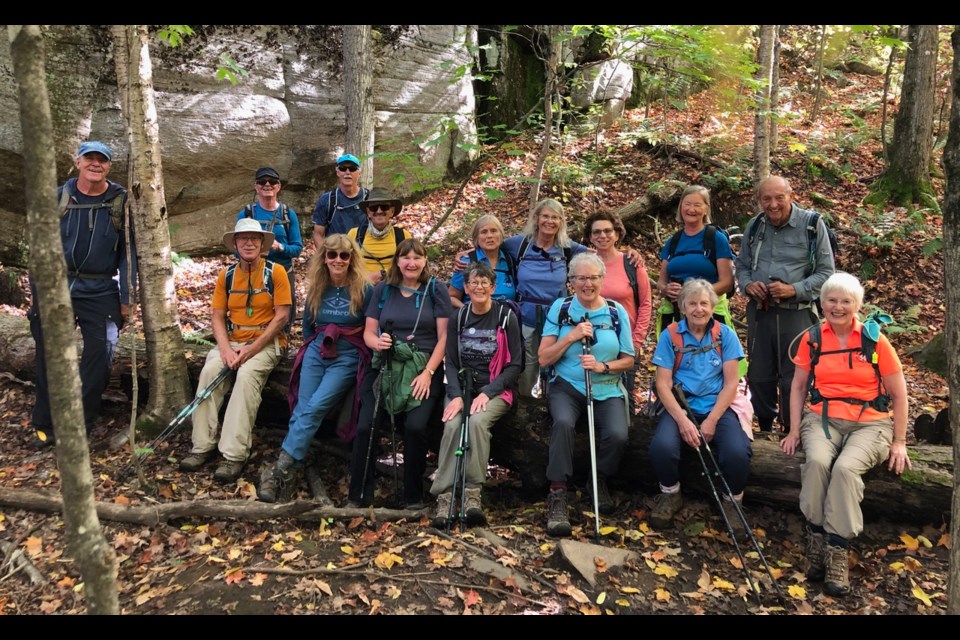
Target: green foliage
229 70
196 337
174 34
179 260
907 323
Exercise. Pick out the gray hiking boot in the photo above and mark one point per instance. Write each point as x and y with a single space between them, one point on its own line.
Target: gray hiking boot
837 579
473 510
229 471
442 515
667 506
279 482
558 525
195 461
816 556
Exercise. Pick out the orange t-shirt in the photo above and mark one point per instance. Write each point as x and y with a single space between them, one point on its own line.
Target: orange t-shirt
847 375
261 303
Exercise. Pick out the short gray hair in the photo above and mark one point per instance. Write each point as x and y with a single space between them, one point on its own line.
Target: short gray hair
703 192
483 221
696 286
586 257
844 283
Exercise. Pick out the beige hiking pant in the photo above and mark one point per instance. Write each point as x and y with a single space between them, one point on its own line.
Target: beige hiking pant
479 454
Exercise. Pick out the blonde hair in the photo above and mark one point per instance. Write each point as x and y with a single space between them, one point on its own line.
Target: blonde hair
533 222
318 274
703 192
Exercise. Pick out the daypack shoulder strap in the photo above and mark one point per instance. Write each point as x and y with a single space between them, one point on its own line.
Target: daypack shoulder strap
397 236
522 249
679 350
672 244
632 279
361 234
248 211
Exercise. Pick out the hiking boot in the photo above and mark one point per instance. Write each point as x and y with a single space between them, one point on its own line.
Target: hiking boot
558 525
442 516
473 510
229 471
45 438
279 482
816 556
195 461
837 579
667 506
730 511
604 501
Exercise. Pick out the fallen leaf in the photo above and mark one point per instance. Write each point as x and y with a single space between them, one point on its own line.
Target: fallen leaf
323 586
944 540
258 579
122 500
909 541
470 599
393 591
922 596
280 546
600 564
629 590
602 597
576 594
662 594
704 581
347 549
796 591
34 546
386 560
66 582
623 603
666 570
590 610
604 531
292 555
234 576
924 541
723 584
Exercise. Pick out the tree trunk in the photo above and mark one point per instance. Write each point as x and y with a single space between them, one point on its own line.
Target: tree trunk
761 125
358 95
907 179
88 546
821 48
170 385
550 63
775 89
951 240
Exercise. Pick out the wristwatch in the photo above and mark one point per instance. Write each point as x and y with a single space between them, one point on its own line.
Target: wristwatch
606 367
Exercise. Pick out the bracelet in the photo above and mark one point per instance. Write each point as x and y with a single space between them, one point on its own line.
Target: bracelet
903 439
429 370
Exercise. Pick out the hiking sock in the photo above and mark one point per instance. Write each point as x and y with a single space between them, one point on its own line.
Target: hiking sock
837 541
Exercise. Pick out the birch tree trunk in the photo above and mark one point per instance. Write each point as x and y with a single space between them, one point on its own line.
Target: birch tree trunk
550 64
778 33
951 239
907 178
358 95
761 125
169 381
88 546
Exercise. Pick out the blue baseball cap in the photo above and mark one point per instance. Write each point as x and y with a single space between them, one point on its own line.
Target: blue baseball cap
95 146
348 158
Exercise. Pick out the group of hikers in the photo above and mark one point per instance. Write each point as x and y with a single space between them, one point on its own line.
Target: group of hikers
387 345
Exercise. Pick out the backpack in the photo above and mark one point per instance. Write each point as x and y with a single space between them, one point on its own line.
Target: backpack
868 347
115 204
503 319
397 239
563 317
709 246
511 270
431 290
284 217
679 350
332 207
267 288
632 280
522 250
812 222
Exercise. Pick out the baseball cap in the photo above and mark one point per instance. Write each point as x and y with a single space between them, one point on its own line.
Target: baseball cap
95 146
348 158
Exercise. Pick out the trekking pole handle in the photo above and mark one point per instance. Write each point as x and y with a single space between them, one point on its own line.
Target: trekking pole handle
682 399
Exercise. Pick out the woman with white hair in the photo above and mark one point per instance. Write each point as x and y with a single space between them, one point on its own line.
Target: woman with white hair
487 237
855 419
586 315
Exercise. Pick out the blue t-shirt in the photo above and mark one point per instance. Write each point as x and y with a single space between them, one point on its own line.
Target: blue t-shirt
608 346
420 311
334 308
346 212
689 260
288 235
506 288
700 374
541 279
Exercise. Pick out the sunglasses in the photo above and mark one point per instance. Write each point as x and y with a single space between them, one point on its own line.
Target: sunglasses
348 168
376 208
333 255
265 181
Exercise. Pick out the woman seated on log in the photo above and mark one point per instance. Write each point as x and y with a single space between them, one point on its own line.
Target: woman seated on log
330 362
856 418
702 355
484 355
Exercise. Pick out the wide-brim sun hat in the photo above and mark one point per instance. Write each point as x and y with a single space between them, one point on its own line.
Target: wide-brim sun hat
248 225
378 195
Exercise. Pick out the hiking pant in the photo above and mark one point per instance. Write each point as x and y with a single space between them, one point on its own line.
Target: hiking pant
531 368
478 454
99 320
323 387
237 435
415 425
769 334
567 405
831 478
730 446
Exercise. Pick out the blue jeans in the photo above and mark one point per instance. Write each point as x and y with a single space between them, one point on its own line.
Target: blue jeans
323 384
730 446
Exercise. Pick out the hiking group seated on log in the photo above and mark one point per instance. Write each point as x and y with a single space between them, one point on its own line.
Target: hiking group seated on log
394 354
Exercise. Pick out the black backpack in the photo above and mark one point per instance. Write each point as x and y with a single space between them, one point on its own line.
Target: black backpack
283 212
709 246
812 221
522 250
332 207
398 237
511 271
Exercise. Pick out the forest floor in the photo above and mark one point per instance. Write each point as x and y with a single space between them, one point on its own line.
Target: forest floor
364 564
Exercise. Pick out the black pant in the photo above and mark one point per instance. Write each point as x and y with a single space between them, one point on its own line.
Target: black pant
416 423
99 320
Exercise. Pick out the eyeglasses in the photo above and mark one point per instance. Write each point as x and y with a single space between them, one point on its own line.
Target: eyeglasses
605 232
585 279
333 255
265 181
248 239
480 284
348 168
377 208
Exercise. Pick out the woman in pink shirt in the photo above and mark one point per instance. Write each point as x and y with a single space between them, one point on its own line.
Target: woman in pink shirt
628 285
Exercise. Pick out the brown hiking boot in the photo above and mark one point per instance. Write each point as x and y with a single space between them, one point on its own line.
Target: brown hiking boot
195 461
558 524
667 506
442 515
279 482
816 556
473 510
229 471
837 580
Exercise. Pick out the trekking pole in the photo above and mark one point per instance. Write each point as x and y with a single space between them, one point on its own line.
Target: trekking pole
185 413
460 470
388 359
682 399
387 328
591 431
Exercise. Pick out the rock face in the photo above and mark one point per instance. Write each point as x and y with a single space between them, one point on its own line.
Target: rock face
286 112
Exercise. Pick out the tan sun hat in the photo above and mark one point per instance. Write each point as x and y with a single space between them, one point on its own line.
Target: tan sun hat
248 225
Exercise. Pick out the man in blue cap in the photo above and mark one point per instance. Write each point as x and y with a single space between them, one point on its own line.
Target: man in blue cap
338 211
92 229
